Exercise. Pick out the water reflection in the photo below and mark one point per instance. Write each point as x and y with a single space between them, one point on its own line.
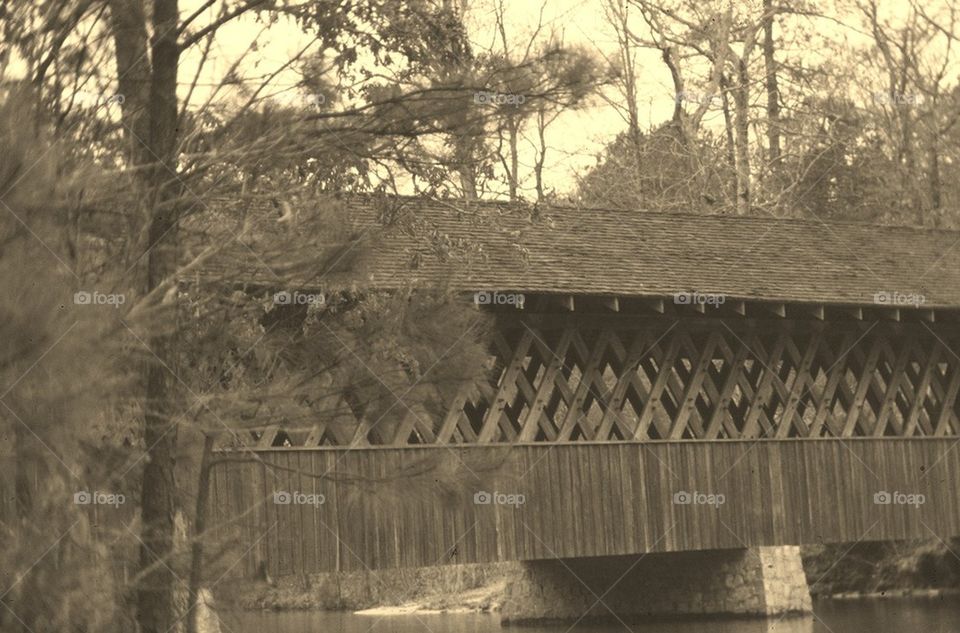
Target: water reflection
932 615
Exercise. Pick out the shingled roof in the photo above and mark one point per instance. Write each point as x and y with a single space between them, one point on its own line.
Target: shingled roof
490 246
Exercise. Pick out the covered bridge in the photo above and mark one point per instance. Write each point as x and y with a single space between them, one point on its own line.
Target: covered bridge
666 383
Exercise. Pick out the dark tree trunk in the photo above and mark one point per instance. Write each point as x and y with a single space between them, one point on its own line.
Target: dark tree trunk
148 85
773 90
199 525
741 102
936 186
130 40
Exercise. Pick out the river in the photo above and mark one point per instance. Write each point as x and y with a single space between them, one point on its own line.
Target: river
893 615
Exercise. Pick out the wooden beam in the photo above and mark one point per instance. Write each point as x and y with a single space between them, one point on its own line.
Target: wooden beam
508 387
740 307
921 391
612 303
688 397
568 303
269 434
856 313
860 394
803 383
930 316
665 369
761 395
592 375
315 435
818 312
779 309
657 305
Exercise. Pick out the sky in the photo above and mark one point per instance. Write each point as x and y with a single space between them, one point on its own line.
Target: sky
576 139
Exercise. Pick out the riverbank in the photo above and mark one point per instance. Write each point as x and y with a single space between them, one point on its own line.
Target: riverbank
475 587
863 570
877 569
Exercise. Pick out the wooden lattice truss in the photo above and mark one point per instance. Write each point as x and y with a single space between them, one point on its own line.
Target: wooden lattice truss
687 380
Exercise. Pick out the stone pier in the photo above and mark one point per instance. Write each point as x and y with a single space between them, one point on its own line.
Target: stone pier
760 581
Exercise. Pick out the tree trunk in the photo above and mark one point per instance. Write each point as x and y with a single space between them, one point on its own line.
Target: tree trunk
542 155
773 91
741 103
514 175
149 115
936 187
128 26
196 547
728 122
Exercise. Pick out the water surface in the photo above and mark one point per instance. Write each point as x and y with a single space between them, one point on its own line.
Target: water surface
894 615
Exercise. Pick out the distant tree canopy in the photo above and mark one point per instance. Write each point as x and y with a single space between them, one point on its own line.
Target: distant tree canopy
656 172
761 124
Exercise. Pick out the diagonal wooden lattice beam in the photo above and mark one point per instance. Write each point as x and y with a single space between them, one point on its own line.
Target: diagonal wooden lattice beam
676 380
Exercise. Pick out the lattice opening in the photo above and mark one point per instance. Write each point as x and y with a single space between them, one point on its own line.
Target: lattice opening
612 385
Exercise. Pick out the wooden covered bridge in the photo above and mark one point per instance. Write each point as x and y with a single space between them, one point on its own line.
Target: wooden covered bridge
671 383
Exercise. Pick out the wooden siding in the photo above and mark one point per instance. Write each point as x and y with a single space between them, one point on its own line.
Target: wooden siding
385 507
